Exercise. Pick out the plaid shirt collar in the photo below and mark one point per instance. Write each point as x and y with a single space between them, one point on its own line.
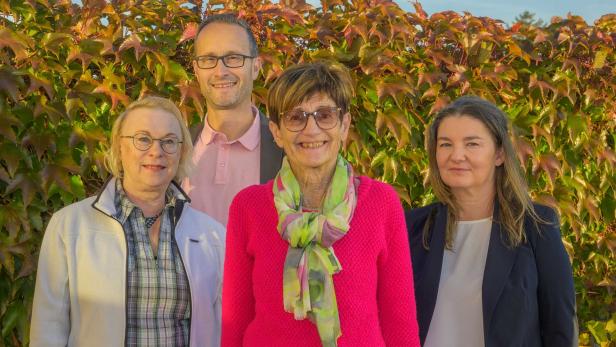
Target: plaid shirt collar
124 207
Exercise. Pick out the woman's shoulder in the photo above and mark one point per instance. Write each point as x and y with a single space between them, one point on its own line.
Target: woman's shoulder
545 212
373 189
203 219
422 213
197 225
254 196
78 209
546 228
74 218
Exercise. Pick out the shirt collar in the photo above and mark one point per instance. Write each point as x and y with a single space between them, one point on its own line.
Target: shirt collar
250 139
124 206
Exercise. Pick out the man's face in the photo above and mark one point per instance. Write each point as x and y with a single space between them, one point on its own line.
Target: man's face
223 87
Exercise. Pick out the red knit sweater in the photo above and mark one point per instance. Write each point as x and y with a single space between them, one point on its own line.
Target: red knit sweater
374 290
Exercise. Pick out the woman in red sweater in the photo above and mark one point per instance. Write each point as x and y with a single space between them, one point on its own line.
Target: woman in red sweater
318 256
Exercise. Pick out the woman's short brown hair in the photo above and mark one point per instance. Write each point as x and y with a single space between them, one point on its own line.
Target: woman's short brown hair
300 82
113 160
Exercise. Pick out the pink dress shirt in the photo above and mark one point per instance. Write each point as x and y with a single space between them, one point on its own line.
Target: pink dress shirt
223 168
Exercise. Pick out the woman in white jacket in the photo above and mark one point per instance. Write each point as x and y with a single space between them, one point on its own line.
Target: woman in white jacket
134 265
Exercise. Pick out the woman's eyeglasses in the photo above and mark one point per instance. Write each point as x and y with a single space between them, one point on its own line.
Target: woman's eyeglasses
143 142
326 118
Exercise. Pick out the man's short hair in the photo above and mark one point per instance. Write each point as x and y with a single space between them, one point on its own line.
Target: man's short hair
232 19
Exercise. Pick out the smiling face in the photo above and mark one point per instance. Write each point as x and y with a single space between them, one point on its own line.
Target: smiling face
152 169
466 155
223 87
313 147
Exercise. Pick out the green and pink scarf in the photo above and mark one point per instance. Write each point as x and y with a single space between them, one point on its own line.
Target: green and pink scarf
308 287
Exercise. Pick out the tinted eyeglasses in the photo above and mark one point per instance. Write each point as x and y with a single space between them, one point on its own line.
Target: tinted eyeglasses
326 118
230 60
143 142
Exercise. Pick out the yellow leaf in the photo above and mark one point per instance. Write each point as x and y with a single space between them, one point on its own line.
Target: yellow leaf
599 61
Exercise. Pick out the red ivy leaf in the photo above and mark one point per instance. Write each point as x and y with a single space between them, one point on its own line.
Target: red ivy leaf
420 11
134 42
115 96
54 173
41 142
591 206
9 39
550 165
26 184
191 91
524 150
385 88
190 31
4 176
439 104
36 83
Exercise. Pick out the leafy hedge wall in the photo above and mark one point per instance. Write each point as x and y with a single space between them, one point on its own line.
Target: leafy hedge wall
67 70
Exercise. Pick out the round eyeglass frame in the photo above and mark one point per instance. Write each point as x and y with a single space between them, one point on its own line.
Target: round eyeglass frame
162 146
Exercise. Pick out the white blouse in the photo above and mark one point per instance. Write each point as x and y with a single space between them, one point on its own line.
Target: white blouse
458 316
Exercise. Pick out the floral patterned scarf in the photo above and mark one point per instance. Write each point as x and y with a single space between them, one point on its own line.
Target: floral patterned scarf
308 287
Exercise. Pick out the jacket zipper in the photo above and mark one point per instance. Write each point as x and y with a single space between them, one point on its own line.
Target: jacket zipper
125 274
175 215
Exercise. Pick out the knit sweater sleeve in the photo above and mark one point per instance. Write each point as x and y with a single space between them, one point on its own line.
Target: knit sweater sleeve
238 303
396 295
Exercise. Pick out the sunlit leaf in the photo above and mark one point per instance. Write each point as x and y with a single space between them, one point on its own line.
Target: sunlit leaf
189 32
134 42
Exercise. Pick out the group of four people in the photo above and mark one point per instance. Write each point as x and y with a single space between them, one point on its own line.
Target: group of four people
312 254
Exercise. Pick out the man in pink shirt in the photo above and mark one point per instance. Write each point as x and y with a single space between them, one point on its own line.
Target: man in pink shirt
233 147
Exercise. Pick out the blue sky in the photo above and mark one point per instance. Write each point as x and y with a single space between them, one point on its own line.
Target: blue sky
507 10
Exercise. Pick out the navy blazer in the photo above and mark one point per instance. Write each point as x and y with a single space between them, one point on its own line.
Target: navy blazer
527 293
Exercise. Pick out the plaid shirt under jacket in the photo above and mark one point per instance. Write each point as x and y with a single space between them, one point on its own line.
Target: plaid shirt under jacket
158 295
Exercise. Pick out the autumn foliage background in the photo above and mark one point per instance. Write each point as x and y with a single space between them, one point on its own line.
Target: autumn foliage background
67 70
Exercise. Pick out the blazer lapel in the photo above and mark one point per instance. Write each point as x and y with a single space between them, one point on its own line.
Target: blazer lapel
195 131
427 286
271 154
499 262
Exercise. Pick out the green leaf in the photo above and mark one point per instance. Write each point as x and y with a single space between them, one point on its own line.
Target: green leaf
77 187
12 157
14 313
610 327
597 329
600 57
93 47
175 72
378 159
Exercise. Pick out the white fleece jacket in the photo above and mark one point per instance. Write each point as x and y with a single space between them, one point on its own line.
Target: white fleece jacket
80 293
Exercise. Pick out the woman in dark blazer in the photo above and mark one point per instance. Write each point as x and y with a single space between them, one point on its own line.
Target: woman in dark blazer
489 264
